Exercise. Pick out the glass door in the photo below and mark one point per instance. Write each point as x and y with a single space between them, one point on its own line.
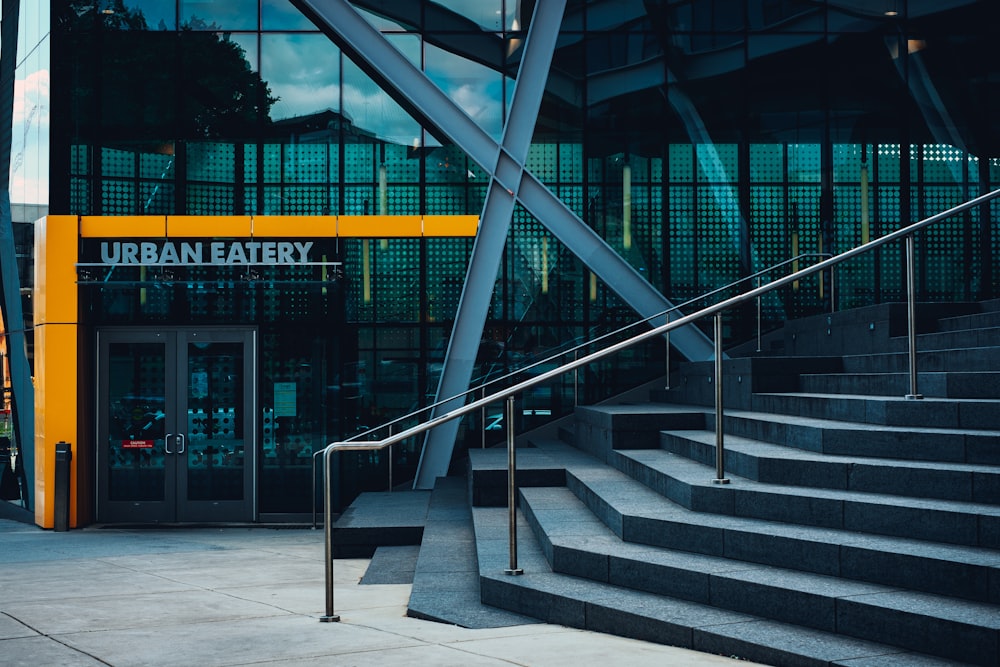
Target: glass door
175 425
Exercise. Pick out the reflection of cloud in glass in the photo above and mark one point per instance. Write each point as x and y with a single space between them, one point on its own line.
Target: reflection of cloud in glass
371 109
478 90
302 71
30 140
228 15
281 15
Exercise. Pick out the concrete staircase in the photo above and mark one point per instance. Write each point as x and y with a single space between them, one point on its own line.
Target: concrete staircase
858 528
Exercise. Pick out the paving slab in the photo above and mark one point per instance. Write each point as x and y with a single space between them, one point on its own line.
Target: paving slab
247 596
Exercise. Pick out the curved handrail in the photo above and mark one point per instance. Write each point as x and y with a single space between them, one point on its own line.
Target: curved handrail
551 358
902 233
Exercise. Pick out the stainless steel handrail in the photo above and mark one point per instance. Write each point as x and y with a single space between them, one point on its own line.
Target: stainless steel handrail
903 233
558 355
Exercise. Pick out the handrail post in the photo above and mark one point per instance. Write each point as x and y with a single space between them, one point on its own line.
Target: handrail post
720 468
758 315
314 487
511 489
833 289
666 340
329 617
390 460
576 382
911 316
482 419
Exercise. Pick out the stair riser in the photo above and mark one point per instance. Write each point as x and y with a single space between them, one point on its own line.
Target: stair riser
597 432
978 321
948 340
747 638
821 610
926 413
513 594
952 640
914 445
916 483
859 562
983 359
938 385
950 527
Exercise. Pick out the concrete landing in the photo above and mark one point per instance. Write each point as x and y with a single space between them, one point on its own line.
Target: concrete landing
220 597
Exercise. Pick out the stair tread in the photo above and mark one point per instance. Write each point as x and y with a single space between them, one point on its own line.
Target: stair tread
630 496
448 541
577 531
693 473
904 373
827 423
603 607
927 400
771 450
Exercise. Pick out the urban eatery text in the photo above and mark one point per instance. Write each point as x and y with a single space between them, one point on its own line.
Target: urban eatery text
197 252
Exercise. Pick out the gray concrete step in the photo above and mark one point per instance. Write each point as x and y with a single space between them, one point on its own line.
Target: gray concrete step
577 543
603 607
601 428
948 340
380 519
446 574
861 440
985 319
979 384
885 410
952 360
777 464
690 484
638 514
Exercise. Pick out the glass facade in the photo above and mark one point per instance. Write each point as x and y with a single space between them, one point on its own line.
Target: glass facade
704 140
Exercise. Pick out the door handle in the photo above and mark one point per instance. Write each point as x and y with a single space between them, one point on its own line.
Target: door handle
181 439
166 444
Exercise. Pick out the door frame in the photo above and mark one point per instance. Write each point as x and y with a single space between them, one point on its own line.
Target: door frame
174 508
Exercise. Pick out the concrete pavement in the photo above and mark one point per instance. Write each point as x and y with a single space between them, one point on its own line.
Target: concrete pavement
246 596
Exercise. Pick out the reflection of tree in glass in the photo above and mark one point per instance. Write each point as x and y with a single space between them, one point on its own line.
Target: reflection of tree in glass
156 84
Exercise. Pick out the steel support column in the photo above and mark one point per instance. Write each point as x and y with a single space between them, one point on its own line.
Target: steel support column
438 113
23 393
487 251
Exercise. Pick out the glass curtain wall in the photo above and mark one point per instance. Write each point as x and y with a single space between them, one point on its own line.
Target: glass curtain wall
704 140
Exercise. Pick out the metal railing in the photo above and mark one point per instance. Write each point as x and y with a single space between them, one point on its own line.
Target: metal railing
575 350
716 309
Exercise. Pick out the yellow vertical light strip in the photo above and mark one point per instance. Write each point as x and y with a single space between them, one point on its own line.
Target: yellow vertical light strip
627 206
865 222
142 290
55 319
323 270
545 265
366 271
383 199
795 263
593 286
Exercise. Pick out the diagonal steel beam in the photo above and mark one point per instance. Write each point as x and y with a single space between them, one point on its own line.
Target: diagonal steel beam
439 114
487 252
23 392
430 106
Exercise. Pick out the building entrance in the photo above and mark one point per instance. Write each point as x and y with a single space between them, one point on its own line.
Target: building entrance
175 425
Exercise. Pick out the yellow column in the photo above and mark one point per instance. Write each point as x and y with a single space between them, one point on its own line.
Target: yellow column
56 322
